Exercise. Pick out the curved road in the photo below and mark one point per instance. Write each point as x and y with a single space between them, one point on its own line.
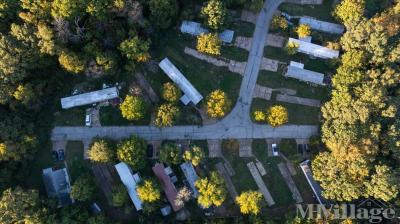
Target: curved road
236 125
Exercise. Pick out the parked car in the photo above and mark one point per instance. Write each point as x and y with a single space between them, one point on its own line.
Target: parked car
275 150
149 151
61 155
88 120
55 156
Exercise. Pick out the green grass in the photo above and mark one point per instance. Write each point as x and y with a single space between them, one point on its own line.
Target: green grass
112 116
234 53
75 160
204 76
298 114
242 180
274 180
242 28
322 12
70 117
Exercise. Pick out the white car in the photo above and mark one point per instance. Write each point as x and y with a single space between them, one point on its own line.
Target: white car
275 150
88 120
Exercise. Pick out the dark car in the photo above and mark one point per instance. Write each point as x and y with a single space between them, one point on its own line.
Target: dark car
149 151
61 155
54 155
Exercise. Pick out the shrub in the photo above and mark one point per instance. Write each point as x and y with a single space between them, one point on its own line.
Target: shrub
170 154
170 92
303 30
166 115
277 115
259 116
209 43
218 104
133 108
291 48
101 151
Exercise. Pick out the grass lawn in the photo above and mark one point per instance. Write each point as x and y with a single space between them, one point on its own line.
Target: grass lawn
112 116
70 117
242 28
234 53
74 158
274 180
322 12
298 114
242 180
204 76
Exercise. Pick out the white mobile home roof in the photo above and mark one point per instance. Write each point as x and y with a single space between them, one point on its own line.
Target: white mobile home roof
305 75
130 183
315 50
195 29
180 80
322 25
89 98
313 184
191 176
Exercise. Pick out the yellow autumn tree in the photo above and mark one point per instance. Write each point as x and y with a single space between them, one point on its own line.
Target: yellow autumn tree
211 190
148 191
166 115
277 115
249 202
259 116
303 30
195 155
218 104
209 44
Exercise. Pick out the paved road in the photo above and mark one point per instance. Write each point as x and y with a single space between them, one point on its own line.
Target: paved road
236 125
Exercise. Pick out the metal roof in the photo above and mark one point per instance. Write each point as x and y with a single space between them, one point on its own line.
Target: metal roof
130 181
167 185
305 75
322 25
180 80
191 176
57 185
195 29
315 50
89 98
316 188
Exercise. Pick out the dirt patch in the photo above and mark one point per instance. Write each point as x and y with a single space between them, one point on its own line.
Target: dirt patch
249 16
262 92
231 188
214 148
298 100
245 148
275 40
243 42
269 64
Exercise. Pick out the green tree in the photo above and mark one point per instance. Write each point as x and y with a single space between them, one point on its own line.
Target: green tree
68 9
133 152
148 191
195 155
350 12
277 115
279 22
99 8
170 154
166 115
170 92
119 195
383 184
102 151
34 11
209 43
71 62
250 202
303 30
218 104
21 206
83 188
135 49
212 190
256 5
163 12
133 108
215 13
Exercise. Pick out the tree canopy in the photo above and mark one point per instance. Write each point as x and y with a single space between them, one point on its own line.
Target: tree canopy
195 155
212 190
148 191
83 188
167 114
170 154
170 92
133 108
102 151
209 43
214 12
250 202
218 104
133 152
163 12
277 115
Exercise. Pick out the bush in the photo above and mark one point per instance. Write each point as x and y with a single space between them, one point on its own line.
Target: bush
170 92
71 62
148 191
259 116
277 115
133 152
218 104
209 44
303 30
133 108
170 154
215 14
279 22
101 151
195 155
83 188
166 115
119 196
291 48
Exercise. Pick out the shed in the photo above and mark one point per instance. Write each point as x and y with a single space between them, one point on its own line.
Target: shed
58 185
305 75
191 176
322 25
316 188
167 185
195 29
130 181
190 93
89 98
315 50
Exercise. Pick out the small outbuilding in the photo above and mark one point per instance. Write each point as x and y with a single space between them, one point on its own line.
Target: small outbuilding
195 29
89 98
130 181
322 25
190 93
314 49
191 176
296 70
57 184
